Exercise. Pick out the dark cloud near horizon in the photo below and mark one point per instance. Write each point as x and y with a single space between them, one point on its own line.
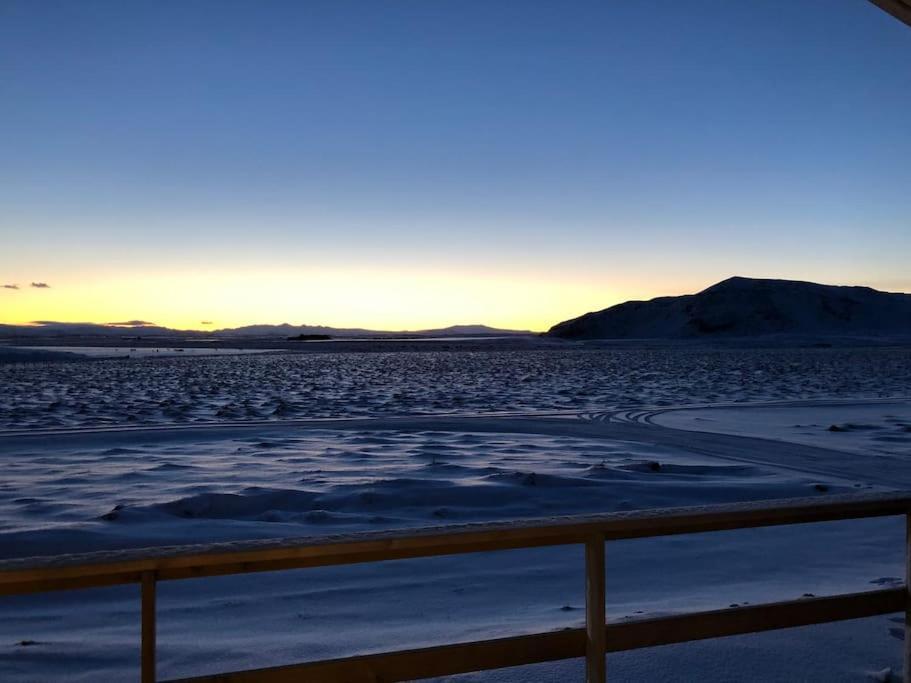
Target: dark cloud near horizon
127 323
55 322
10 286
206 322
40 285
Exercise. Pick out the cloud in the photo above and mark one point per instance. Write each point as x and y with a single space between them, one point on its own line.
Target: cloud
59 322
206 322
132 323
40 285
10 286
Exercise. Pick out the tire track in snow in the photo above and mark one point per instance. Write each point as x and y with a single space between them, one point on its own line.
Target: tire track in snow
632 424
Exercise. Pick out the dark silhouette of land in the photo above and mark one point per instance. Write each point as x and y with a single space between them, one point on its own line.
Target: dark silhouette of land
747 307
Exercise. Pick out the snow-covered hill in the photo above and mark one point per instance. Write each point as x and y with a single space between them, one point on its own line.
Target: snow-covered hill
746 307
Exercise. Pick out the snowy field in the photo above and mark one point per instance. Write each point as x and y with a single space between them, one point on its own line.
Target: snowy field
144 452
131 352
280 387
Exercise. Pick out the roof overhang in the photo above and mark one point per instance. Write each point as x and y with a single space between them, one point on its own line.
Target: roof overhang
900 9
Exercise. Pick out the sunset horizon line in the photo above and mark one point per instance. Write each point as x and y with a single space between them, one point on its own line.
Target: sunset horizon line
385 314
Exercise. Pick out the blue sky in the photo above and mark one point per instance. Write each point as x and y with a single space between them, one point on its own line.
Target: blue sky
414 163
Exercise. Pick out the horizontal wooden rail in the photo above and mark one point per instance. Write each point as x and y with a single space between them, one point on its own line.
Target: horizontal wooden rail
108 568
148 566
449 660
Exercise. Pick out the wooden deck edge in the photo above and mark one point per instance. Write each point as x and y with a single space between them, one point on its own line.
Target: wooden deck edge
449 660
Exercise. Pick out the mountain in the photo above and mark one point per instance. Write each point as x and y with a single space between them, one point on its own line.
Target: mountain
286 330
747 307
469 331
50 328
139 328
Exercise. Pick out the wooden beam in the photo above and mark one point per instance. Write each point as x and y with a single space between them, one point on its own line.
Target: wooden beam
595 617
183 562
734 621
428 662
900 9
532 649
906 649
147 659
76 582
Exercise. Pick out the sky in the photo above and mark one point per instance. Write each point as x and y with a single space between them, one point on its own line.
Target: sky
408 164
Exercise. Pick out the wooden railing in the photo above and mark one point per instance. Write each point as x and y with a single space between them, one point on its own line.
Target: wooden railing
149 566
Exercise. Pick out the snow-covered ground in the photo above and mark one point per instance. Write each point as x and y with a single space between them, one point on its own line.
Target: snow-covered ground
870 428
279 387
140 351
429 439
55 354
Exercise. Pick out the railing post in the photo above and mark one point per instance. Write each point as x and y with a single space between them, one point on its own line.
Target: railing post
148 628
595 617
907 646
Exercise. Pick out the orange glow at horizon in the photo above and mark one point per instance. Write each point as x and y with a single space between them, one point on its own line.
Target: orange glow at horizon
344 297
333 297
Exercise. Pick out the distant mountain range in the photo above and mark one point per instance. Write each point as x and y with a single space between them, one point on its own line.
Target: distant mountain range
738 307
138 328
747 307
